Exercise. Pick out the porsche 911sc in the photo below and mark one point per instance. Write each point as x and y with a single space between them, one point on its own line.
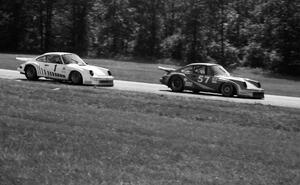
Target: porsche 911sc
65 67
207 77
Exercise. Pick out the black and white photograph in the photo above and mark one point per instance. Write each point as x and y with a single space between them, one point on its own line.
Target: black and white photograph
149 92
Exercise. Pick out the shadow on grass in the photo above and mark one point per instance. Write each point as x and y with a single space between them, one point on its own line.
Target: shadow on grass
211 94
47 81
58 82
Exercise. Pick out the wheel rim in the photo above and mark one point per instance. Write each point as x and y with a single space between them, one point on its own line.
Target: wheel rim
227 90
76 78
176 83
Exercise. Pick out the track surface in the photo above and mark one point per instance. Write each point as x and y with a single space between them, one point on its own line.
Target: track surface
283 101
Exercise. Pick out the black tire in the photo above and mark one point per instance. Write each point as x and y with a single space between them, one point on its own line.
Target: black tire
30 73
176 84
196 91
76 78
227 90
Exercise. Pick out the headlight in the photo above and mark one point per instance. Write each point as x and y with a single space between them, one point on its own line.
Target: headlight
109 73
245 84
91 73
258 85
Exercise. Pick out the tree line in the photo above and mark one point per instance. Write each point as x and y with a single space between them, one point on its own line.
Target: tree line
256 33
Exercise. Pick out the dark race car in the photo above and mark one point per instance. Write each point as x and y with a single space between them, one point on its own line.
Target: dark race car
209 77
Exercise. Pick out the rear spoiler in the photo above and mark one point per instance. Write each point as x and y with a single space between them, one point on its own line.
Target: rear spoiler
23 59
168 70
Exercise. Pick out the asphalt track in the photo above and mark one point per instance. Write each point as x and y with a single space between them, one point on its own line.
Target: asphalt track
282 101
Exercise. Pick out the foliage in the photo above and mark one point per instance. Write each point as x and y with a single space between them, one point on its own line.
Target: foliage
230 56
172 46
255 57
186 30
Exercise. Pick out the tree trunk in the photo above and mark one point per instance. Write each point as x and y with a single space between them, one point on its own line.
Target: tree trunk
48 24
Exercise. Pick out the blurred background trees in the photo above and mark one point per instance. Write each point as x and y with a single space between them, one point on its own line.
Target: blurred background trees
261 33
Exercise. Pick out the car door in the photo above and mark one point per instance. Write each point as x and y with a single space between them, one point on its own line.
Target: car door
213 82
202 79
55 67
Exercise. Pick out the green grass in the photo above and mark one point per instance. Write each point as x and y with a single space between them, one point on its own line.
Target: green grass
144 72
86 135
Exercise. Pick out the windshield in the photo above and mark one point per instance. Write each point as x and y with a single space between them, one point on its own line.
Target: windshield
73 59
219 70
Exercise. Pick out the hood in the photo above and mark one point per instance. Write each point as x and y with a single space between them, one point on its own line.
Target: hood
251 84
98 71
233 78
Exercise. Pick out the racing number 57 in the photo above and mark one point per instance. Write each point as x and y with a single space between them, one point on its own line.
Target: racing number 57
204 79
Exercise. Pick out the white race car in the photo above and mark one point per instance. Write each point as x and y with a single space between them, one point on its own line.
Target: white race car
65 67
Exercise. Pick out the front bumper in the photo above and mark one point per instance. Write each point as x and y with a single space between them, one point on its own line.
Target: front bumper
253 93
100 81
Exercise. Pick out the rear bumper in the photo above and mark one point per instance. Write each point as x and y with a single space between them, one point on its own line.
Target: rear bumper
21 69
164 80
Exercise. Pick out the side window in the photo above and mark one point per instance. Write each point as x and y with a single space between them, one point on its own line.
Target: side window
199 70
210 71
41 59
187 70
55 59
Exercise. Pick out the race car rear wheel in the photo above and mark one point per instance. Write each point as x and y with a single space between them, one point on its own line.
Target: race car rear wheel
76 78
227 90
30 73
176 84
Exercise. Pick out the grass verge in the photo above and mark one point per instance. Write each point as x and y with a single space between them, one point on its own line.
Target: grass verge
61 134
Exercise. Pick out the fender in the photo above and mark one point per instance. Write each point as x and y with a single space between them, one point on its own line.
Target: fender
179 75
34 64
69 75
235 85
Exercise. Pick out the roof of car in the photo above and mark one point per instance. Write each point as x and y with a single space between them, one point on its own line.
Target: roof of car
205 64
57 53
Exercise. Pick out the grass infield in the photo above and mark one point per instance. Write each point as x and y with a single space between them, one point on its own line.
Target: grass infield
52 133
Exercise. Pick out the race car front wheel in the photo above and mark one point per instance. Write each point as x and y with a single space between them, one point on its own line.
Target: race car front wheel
227 90
76 78
30 73
176 84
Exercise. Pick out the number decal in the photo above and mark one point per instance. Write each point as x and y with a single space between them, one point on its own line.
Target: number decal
207 78
204 79
200 79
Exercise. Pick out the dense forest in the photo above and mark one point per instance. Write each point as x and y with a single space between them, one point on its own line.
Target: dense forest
255 33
